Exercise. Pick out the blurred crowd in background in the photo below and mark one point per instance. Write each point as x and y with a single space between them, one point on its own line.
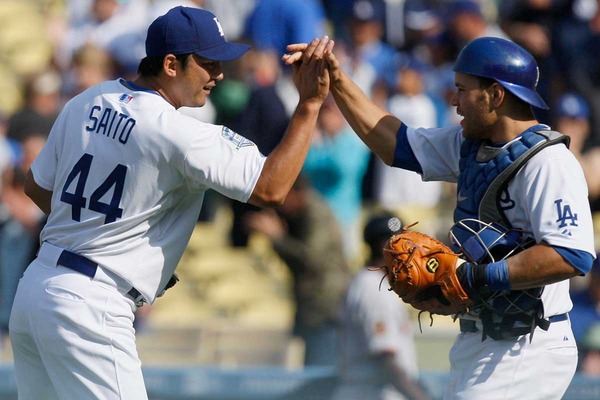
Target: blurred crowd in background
400 52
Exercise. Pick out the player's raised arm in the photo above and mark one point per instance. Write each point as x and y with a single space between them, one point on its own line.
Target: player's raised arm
375 126
285 162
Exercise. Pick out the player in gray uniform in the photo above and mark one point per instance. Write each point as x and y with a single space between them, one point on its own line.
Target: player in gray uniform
377 355
522 220
122 178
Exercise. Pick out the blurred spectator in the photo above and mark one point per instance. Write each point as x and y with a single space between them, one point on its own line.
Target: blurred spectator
572 117
234 14
90 65
466 22
396 189
26 45
438 54
273 24
336 164
422 21
571 113
586 304
585 321
306 236
535 25
19 234
6 164
361 71
119 26
338 13
160 7
377 355
264 118
584 73
574 51
230 96
589 362
367 28
42 103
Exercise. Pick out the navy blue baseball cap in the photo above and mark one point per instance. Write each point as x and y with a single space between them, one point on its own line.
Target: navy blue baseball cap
184 30
368 11
572 105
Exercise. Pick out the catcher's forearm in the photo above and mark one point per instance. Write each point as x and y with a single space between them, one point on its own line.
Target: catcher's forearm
540 265
537 266
376 127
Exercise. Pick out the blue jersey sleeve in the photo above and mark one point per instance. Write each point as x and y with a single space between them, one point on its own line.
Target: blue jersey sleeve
404 157
582 260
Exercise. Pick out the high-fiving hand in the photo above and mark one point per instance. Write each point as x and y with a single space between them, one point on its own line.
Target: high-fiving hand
309 62
300 52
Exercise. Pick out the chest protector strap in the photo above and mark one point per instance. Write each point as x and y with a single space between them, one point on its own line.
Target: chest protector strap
489 207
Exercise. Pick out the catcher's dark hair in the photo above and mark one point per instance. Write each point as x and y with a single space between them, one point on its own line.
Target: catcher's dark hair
152 66
485 83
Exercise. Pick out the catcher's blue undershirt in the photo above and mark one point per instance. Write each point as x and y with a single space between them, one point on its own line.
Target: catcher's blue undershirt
405 158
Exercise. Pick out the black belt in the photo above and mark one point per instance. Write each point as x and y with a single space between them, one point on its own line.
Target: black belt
468 325
88 268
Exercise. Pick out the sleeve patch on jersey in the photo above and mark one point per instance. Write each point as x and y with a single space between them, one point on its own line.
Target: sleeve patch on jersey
237 140
125 98
566 217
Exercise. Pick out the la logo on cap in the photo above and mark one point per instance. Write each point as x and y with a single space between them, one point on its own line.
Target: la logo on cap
219 26
184 30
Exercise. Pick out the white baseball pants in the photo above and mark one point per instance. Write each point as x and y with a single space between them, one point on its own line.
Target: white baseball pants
513 369
73 336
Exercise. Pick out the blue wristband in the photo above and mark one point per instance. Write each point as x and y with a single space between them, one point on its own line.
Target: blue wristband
497 275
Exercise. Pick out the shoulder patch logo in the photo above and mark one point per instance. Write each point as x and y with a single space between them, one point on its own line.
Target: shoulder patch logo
237 140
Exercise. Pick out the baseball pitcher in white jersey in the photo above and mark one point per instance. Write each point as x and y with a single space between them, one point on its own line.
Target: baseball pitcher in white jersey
122 179
522 220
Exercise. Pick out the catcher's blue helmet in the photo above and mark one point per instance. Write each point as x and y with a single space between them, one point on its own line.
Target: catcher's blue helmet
505 62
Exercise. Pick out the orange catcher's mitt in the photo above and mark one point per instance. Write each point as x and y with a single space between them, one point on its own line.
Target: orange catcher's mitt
421 270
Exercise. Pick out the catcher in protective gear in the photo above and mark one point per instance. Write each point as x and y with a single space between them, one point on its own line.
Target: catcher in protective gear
422 271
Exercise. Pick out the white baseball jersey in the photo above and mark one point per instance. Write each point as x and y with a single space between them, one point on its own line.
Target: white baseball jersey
374 321
128 174
547 198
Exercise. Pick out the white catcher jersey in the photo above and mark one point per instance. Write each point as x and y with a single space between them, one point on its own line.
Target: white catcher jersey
128 174
547 198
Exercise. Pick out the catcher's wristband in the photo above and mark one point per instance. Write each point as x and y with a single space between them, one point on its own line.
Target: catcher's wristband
483 278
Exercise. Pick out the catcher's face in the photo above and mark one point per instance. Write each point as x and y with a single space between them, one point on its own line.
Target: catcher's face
474 104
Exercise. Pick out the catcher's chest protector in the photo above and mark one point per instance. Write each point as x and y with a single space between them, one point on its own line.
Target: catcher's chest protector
485 171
